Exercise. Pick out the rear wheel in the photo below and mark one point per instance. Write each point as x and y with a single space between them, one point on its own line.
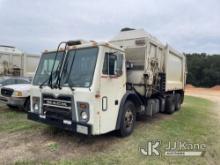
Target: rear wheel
170 105
178 102
128 119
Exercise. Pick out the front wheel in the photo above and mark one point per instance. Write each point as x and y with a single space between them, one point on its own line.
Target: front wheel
27 105
11 106
128 119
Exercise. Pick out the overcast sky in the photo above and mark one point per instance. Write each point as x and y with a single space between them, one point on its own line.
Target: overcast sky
36 25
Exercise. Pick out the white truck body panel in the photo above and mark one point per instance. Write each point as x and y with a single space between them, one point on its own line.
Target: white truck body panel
174 69
111 89
150 57
30 65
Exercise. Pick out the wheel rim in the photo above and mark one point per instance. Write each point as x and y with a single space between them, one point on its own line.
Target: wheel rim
129 118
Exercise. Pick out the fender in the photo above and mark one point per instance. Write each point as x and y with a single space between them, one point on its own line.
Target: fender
129 95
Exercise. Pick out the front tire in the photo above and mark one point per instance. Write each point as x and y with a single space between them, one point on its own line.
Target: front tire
11 106
128 119
27 106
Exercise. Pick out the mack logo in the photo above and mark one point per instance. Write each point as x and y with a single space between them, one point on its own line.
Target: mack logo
58 103
56 95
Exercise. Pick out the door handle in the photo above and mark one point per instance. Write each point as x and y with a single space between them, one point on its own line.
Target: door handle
104 103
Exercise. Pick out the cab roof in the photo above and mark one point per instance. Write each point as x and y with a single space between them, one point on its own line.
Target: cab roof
85 44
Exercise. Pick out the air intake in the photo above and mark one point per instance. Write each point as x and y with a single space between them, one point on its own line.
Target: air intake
127 29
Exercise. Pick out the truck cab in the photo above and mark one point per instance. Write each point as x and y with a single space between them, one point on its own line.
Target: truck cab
80 88
94 88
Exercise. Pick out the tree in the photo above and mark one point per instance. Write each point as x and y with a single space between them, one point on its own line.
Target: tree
203 69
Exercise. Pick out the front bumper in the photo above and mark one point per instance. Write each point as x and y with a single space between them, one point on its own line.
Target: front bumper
63 124
14 101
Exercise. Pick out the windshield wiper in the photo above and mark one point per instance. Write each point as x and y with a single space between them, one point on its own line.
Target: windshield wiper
43 83
50 82
58 69
58 82
68 43
50 79
70 71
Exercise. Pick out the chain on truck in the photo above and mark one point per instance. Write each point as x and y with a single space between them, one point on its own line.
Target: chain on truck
94 88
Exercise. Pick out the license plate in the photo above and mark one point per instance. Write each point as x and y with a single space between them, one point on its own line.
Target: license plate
68 122
82 129
42 116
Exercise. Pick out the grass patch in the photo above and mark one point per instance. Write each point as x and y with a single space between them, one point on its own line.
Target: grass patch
53 146
12 120
194 123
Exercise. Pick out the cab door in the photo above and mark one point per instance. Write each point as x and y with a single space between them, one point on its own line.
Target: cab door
112 88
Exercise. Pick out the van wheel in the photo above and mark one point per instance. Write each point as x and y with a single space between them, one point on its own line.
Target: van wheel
11 106
128 119
170 105
178 102
27 106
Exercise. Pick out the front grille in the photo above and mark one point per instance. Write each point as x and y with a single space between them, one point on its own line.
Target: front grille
7 92
57 107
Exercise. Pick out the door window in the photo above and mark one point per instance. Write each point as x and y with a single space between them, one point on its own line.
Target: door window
113 64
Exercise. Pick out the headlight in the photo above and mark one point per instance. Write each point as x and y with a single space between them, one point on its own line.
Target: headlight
83 111
84 115
36 107
17 93
36 104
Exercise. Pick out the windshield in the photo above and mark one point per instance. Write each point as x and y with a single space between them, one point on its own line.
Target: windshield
45 67
79 68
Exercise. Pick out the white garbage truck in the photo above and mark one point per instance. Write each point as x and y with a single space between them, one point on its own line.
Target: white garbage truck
94 88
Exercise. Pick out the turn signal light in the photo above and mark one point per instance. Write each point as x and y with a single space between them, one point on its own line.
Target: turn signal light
83 106
18 93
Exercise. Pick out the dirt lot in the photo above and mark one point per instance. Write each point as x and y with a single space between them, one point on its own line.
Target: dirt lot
212 94
27 142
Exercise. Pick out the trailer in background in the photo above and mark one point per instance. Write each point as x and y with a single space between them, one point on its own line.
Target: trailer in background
14 62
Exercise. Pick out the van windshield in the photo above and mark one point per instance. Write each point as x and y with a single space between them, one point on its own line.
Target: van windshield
79 68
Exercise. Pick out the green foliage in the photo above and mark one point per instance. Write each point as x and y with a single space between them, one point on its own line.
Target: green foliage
203 69
53 146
